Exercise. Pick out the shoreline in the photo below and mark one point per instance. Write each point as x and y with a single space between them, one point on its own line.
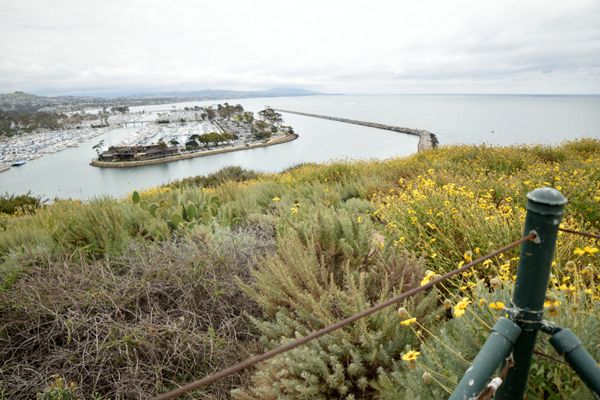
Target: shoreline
132 164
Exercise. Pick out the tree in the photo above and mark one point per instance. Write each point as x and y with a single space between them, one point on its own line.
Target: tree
210 113
248 117
121 109
204 140
270 115
260 130
191 145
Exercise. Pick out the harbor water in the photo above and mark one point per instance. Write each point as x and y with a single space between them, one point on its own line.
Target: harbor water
455 119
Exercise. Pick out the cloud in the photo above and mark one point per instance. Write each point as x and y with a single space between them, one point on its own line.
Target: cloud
343 46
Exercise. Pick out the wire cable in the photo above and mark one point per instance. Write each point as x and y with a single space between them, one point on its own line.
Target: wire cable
586 234
340 324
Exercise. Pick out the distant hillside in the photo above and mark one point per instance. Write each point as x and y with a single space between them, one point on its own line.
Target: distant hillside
210 94
20 101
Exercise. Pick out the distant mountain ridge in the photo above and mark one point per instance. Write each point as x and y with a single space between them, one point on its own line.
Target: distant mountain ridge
21 101
219 93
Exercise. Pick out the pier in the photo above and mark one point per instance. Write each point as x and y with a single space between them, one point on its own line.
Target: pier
427 140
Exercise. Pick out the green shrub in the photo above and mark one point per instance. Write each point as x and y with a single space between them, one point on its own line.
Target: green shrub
233 173
19 204
327 269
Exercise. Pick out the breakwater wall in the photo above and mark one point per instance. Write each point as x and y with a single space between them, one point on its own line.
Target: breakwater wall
427 140
185 156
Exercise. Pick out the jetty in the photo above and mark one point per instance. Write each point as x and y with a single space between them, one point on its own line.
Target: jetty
427 140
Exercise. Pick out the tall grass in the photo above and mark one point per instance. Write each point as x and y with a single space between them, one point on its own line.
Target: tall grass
126 298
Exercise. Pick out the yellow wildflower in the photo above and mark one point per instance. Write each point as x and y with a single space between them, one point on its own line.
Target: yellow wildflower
564 288
551 304
294 210
359 219
427 278
468 256
497 305
408 322
276 199
459 308
411 355
578 251
590 249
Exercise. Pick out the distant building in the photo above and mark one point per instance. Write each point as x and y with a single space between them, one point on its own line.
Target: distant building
138 153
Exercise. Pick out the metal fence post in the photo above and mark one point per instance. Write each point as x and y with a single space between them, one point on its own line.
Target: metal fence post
495 350
566 343
544 211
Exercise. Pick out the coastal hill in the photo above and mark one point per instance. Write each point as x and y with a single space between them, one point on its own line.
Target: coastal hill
20 101
128 298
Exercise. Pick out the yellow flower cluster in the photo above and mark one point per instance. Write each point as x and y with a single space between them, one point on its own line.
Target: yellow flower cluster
155 191
585 250
497 305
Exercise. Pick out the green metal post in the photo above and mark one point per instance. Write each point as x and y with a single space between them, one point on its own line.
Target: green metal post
566 343
495 350
544 211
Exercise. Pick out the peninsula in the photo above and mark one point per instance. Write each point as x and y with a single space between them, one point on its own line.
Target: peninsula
195 132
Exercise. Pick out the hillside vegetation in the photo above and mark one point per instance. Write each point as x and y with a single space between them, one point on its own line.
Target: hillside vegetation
129 298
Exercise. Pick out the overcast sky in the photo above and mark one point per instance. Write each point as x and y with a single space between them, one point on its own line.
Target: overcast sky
399 46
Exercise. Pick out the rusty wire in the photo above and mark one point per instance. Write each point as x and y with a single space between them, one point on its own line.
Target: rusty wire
490 390
548 356
340 324
586 234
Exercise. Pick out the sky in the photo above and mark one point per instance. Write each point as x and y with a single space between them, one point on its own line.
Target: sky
356 47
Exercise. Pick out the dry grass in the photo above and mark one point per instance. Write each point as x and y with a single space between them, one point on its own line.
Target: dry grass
132 326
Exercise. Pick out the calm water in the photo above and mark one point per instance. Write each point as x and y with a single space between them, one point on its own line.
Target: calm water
498 120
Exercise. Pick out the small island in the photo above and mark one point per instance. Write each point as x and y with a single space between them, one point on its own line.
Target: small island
195 132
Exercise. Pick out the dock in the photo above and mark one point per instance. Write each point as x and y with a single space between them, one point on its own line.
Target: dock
427 140
4 167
